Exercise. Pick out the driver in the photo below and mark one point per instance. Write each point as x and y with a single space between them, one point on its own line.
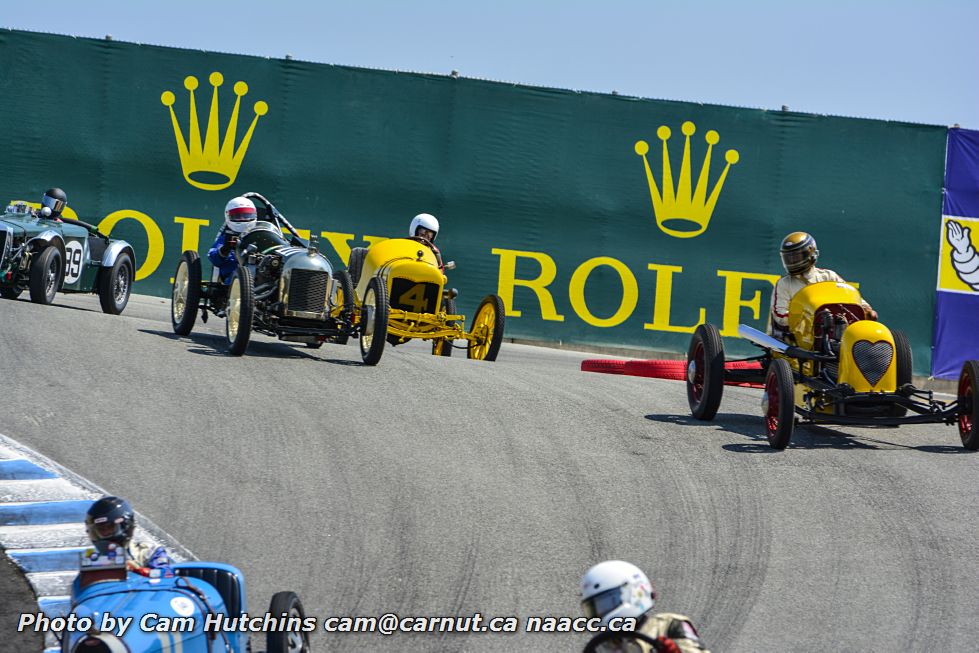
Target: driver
239 217
615 588
424 228
799 256
110 523
56 201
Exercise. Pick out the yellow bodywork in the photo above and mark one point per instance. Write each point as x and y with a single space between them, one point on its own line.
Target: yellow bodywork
413 280
872 341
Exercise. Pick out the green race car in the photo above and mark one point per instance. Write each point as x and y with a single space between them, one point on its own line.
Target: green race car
44 256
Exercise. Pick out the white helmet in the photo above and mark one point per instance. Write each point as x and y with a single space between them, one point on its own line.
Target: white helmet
424 221
240 215
616 589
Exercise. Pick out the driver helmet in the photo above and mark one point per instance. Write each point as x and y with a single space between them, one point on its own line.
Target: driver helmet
615 588
109 521
240 215
56 200
798 252
424 225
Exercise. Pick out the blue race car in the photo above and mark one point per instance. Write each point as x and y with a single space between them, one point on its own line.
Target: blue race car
191 607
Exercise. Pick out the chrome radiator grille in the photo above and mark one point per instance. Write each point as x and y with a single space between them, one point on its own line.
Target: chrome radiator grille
872 359
307 290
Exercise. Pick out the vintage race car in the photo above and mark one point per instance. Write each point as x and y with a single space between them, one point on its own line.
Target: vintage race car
400 294
193 607
45 256
832 367
283 288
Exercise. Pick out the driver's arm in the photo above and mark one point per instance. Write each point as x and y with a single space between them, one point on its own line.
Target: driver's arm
778 317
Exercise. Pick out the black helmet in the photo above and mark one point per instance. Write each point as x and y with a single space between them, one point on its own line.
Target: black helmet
55 199
110 520
798 252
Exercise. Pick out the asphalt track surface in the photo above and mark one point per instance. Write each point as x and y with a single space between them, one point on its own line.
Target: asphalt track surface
433 486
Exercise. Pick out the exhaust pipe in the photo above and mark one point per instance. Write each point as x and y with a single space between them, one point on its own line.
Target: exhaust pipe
763 339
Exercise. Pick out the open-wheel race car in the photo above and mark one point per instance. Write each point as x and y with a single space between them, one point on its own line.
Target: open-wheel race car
192 607
283 287
400 294
832 366
46 256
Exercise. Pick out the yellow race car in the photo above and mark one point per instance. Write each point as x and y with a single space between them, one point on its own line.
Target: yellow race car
400 294
832 367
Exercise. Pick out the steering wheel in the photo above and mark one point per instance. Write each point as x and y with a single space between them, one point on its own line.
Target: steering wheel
602 638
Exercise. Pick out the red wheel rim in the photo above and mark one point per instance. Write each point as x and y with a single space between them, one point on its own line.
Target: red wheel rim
965 417
771 415
697 383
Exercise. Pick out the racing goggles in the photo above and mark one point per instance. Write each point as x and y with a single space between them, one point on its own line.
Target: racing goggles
602 603
243 214
799 260
106 529
52 203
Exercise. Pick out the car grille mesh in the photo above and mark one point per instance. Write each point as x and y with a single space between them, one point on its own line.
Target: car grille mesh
307 290
873 359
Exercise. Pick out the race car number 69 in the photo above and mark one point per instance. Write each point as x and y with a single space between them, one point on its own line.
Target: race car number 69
73 261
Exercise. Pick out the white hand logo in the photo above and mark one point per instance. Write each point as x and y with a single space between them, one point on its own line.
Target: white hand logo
958 237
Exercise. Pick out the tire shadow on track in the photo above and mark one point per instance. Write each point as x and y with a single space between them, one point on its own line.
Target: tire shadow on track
806 436
214 345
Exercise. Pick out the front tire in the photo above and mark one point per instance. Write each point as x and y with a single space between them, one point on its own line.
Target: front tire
374 321
705 372
779 403
487 329
355 263
287 642
241 308
47 271
968 421
186 298
116 285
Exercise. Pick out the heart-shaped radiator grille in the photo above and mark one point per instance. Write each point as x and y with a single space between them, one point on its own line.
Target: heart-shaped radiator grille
873 358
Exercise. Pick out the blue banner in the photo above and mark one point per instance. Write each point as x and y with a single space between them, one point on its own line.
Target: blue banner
957 306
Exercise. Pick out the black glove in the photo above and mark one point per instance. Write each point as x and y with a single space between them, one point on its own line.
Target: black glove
225 249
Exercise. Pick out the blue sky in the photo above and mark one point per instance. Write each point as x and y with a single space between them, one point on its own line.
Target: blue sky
897 60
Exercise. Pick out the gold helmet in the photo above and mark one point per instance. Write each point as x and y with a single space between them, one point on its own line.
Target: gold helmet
798 252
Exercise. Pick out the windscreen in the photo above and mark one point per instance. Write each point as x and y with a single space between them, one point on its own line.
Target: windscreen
264 236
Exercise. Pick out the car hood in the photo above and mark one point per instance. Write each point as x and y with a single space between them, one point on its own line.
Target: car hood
32 226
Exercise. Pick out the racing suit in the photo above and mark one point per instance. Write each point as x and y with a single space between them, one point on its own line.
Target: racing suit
665 624
141 554
223 256
788 286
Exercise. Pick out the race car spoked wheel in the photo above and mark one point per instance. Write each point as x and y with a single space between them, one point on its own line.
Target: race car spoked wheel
778 403
968 421
288 642
487 329
116 284
186 298
443 346
46 272
374 321
705 372
241 307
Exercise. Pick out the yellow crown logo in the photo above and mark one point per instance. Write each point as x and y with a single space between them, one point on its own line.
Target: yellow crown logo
206 166
681 206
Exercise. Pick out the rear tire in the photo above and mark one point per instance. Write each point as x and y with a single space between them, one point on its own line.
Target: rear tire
705 372
374 332
779 403
443 346
186 297
902 351
287 642
241 308
10 293
356 263
345 299
968 421
116 285
47 273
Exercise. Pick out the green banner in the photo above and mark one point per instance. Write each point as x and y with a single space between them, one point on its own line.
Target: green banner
599 219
